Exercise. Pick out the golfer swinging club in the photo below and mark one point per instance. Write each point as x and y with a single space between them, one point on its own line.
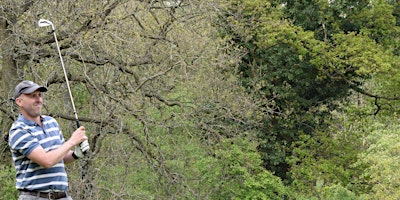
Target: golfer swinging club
38 148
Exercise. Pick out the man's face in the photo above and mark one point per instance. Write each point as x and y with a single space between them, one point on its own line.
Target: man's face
31 104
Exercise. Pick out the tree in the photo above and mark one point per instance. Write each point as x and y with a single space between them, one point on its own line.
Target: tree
142 74
304 67
362 37
380 157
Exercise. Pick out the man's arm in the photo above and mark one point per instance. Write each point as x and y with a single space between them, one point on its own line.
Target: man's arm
50 158
68 158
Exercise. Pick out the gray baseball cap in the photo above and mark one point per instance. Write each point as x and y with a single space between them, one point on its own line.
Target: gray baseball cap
27 87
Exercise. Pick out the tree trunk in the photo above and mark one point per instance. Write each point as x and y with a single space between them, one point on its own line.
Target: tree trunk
8 78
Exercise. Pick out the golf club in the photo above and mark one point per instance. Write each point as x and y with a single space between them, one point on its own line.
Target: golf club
44 23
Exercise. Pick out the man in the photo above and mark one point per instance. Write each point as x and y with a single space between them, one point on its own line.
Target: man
38 148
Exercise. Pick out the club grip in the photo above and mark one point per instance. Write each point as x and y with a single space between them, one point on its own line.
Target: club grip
77 123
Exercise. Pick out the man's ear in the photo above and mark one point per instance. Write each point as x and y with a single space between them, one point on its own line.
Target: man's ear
18 101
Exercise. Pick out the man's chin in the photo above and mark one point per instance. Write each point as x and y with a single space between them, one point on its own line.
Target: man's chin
36 114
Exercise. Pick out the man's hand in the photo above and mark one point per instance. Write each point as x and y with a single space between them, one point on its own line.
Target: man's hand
79 137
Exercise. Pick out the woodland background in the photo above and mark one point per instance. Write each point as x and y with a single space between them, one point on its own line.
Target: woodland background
221 99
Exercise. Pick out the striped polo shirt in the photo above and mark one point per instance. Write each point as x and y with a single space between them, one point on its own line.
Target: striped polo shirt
26 135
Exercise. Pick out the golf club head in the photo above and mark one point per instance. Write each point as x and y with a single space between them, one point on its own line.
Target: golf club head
44 23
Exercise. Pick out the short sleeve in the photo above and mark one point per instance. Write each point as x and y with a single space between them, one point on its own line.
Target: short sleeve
22 141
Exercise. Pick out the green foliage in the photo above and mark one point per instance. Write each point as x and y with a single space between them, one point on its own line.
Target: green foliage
325 160
378 22
335 192
307 73
382 158
263 186
352 57
326 166
7 183
332 192
290 67
240 173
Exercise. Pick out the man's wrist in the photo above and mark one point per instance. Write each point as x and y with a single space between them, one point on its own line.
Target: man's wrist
75 156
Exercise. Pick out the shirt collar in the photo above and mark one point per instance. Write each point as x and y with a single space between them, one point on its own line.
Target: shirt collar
27 121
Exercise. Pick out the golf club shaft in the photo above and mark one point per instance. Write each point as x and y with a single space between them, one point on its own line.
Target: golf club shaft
43 23
66 80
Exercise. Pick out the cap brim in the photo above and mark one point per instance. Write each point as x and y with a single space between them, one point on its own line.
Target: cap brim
32 89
